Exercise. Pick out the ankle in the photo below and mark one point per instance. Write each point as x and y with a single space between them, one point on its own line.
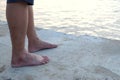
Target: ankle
18 51
18 55
33 39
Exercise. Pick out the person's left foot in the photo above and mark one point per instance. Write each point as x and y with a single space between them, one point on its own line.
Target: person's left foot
40 45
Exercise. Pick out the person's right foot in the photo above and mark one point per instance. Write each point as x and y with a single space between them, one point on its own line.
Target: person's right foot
29 59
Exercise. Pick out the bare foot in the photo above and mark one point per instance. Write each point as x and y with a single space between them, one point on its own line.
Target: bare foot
40 45
29 59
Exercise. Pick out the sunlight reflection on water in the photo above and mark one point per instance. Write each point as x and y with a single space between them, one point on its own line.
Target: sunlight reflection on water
78 17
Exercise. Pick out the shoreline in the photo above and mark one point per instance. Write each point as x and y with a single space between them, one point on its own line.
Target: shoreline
88 39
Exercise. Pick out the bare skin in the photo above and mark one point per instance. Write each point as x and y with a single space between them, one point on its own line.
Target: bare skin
20 21
40 45
34 43
28 59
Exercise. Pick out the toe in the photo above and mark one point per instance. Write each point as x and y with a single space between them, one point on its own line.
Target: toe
45 60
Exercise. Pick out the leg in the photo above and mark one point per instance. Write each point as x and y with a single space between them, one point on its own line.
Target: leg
35 44
17 17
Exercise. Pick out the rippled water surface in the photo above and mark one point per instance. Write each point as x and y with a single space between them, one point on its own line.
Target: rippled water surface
79 17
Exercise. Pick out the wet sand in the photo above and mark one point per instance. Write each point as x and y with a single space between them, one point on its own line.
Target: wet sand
76 58
3 30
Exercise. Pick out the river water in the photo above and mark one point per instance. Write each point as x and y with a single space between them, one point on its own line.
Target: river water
99 18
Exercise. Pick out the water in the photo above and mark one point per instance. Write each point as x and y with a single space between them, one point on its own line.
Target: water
89 17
